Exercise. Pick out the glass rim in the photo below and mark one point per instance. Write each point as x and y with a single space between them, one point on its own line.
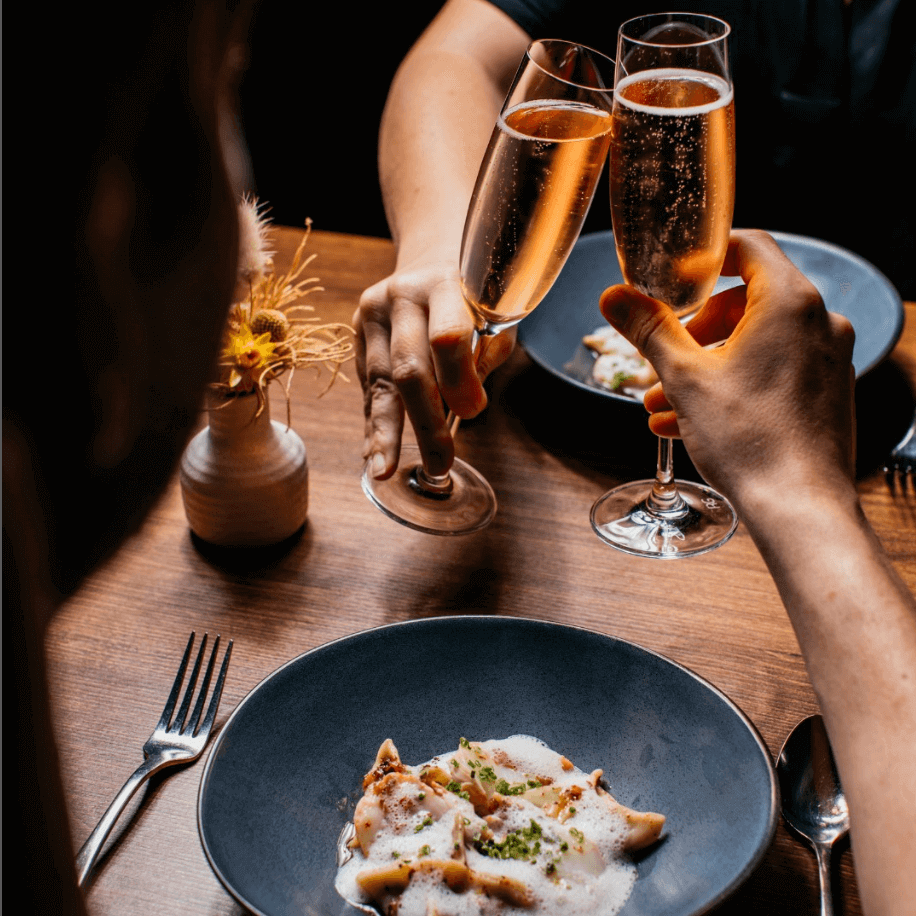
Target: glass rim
572 44
673 17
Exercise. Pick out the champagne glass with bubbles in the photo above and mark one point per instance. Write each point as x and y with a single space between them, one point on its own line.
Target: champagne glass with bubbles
672 179
533 190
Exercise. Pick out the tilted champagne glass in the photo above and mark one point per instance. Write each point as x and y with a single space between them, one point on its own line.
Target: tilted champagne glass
672 181
534 188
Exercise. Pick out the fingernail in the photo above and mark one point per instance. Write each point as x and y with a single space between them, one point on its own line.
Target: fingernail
616 310
376 465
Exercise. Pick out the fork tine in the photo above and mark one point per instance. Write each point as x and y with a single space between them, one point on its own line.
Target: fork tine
204 687
178 724
176 687
217 693
901 462
165 747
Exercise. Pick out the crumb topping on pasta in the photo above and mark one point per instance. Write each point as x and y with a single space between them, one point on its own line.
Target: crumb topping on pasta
494 827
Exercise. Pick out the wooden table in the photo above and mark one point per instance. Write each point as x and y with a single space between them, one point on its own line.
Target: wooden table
113 647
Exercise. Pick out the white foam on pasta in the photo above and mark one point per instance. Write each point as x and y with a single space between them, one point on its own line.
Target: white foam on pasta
578 867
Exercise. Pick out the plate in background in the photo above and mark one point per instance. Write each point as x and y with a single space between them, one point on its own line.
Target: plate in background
849 285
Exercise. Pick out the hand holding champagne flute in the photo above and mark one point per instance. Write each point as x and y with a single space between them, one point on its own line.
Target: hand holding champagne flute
672 196
534 188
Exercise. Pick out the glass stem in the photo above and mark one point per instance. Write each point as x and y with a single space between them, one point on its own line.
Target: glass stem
664 500
441 484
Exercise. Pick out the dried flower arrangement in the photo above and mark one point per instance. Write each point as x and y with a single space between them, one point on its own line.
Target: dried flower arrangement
268 332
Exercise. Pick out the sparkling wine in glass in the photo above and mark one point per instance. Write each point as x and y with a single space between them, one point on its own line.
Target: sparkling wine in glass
672 180
533 190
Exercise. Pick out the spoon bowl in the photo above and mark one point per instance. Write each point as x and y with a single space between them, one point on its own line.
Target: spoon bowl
813 803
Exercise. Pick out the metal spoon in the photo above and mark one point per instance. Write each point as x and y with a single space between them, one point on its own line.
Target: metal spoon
344 854
813 803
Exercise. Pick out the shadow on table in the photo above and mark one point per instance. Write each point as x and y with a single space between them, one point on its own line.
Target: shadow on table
607 440
449 576
253 561
600 438
885 402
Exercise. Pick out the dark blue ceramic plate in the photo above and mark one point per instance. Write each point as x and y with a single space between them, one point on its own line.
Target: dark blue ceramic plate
285 771
849 285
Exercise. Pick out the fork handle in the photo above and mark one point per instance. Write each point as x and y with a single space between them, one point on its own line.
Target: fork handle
87 856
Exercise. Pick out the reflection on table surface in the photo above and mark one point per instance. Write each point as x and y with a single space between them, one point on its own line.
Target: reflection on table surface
549 451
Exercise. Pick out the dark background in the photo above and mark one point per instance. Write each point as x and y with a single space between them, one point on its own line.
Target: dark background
317 79
312 101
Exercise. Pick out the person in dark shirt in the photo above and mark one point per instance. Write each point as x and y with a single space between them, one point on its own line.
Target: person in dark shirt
825 109
825 102
780 448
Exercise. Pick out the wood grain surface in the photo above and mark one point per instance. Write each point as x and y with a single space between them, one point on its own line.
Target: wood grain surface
549 451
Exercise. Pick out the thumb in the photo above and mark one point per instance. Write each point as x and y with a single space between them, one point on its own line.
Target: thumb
647 323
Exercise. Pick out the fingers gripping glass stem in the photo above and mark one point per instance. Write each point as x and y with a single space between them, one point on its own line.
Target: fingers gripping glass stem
460 501
437 484
535 185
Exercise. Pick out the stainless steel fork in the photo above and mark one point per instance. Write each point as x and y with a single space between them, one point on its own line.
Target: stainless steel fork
901 462
171 743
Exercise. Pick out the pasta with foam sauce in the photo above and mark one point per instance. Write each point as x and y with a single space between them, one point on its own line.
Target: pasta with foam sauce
618 365
495 827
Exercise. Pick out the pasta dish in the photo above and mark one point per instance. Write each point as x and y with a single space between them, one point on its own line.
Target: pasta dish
494 827
618 365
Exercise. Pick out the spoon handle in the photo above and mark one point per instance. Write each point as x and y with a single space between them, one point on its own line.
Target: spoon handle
822 851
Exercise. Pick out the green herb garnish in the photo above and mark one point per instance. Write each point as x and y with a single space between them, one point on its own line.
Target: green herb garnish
519 844
504 788
619 380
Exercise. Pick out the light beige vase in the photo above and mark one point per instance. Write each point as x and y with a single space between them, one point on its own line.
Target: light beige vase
244 479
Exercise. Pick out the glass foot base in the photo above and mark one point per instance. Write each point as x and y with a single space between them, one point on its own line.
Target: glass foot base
468 506
705 521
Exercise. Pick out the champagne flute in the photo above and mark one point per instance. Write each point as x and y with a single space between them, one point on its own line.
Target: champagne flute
533 190
672 180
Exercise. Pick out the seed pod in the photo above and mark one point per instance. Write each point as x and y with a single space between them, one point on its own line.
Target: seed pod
270 321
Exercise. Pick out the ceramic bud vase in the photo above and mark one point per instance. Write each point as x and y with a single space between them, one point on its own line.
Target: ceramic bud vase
244 479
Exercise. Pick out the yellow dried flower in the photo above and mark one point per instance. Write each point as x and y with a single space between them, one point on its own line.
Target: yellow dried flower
247 357
267 333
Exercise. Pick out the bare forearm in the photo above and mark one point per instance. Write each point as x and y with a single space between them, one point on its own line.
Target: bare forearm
856 625
427 181
777 441
440 112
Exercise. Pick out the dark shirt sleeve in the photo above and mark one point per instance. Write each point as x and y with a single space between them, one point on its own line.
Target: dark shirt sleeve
536 17
582 21
825 114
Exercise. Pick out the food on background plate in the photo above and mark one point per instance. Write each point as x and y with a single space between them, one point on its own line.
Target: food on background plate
496 827
618 365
